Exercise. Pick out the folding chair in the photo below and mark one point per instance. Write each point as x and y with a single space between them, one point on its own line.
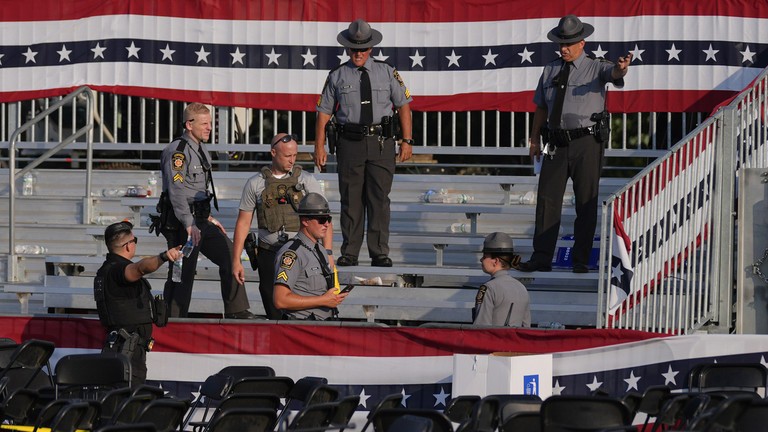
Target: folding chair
652 401
18 407
243 420
733 378
280 386
680 410
485 416
135 427
308 391
511 404
383 420
91 376
238 372
459 409
345 409
25 363
314 417
724 416
215 388
754 418
129 410
411 423
166 414
62 416
391 401
237 401
522 421
582 413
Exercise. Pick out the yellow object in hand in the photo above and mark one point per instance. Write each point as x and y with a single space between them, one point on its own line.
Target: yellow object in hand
336 280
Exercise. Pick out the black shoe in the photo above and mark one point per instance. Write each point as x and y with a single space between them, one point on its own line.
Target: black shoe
532 266
346 260
381 261
246 314
580 268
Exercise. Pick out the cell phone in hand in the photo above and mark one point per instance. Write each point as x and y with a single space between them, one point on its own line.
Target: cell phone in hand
347 289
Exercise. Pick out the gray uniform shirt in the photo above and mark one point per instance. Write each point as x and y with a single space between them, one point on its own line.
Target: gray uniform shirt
251 197
343 86
495 297
585 94
184 178
302 272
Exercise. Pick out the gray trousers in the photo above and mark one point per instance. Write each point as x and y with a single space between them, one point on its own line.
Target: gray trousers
582 161
366 169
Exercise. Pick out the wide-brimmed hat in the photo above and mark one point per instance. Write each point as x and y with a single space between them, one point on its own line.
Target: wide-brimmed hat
570 29
359 35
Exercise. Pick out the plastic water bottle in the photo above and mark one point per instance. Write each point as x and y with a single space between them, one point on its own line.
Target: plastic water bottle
105 220
460 227
186 251
151 184
443 196
113 192
529 198
30 249
28 184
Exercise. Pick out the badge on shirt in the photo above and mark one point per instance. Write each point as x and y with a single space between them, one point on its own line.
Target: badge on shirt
177 161
480 295
287 260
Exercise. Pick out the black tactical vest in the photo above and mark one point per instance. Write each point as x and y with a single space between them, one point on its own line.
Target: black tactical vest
121 311
279 201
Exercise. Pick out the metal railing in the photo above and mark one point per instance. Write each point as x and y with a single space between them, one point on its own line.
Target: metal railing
677 217
84 131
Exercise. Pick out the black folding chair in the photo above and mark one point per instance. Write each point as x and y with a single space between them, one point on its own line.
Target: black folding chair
237 401
215 388
459 408
652 402
754 418
345 409
582 413
313 417
390 401
308 391
63 416
243 420
732 378
166 414
135 427
724 416
411 423
238 372
91 376
383 420
24 364
522 421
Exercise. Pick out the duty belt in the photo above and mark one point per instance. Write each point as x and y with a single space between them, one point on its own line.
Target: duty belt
564 136
270 247
362 129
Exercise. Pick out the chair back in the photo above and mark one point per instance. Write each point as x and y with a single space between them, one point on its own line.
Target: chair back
25 362
238 372
390 401
243 420
582 413
460 408
166 414
754 418
522 421
345 409
280 386
90 376
735 377
383 420
411 423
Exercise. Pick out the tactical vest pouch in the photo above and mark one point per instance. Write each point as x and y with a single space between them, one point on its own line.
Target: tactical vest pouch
160 310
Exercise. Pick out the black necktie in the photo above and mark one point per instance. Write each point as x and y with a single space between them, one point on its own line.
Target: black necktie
366 107
562 86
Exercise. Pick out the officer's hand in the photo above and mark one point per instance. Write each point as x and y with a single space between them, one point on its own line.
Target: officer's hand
534 148
173 253
194 232
623 62
320 156
406 151
214 221
237 271
331 299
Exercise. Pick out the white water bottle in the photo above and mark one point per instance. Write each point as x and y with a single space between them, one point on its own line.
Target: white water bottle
459 227
105 220
30 249
176 271
28 184
113 192
151 184
188 246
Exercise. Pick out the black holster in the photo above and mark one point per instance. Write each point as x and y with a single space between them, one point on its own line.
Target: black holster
120 341
251 246
331 136
202 209
160 316
602 126
166 219
546 136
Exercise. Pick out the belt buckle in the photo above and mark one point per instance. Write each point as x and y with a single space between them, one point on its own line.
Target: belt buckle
568 134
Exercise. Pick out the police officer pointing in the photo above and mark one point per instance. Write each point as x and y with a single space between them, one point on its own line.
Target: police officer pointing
187 177
274 194
361 94
503 300
303 278
124 298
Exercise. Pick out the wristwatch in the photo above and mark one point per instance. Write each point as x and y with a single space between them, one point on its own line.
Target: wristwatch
407 141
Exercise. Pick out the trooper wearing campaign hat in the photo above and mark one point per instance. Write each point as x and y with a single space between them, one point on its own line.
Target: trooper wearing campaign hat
303 277
503 300
366 148
571 111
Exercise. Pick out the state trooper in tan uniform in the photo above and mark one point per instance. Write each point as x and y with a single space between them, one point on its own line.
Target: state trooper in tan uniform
274 194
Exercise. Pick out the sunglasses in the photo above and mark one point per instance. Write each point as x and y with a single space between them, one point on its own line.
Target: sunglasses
322 220
286 139
133 240
359 50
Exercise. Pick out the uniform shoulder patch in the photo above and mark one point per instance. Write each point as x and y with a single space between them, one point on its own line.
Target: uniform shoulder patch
480 295
397 76
288 259
177 161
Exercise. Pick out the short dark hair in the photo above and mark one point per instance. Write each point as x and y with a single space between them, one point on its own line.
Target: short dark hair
116 231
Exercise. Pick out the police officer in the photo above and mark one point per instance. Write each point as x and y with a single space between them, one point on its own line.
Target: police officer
124 298
186 168
571 91
303 278
366 151
274 194
503 300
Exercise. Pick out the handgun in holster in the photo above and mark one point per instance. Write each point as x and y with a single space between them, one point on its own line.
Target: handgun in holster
602 125
120 341
251 245
331 135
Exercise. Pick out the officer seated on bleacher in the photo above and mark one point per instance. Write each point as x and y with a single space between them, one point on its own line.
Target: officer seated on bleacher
304 286
503 300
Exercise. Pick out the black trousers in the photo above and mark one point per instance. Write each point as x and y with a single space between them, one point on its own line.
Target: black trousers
582 161
366 170
266 259
217 247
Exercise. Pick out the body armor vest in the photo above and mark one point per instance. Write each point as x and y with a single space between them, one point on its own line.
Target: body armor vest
121 311
279 201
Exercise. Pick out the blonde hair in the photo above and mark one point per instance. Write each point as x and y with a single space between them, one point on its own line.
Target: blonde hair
194 109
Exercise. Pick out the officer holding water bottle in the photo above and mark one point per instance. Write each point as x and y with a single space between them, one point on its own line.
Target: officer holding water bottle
187 194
